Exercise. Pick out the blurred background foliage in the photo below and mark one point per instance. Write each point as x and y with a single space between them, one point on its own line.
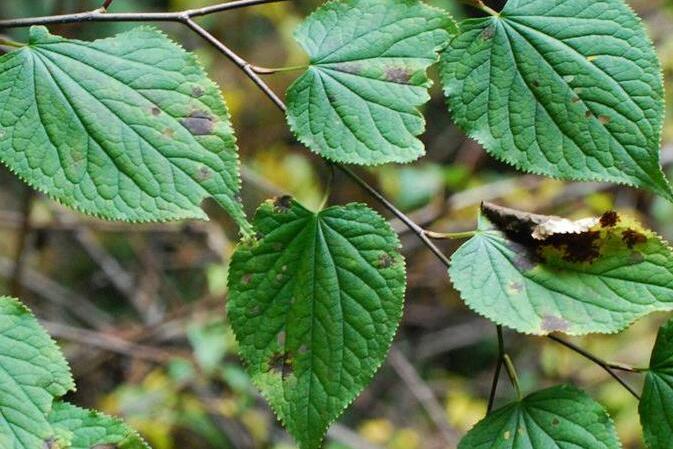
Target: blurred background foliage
140 309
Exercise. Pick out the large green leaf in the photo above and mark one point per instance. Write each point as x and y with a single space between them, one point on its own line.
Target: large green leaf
540 274
32 373
558 417
357 102
315 303
566 88
127 128
90 429
656 404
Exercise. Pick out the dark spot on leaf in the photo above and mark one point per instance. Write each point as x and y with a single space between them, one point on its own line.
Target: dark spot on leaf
281 363
197 91
259 235
633 238
488 32
199 123
282 204
588 114
575 99
609 219
398 75
385 260
303 349
555 422
582 247
535 83
245 280
49 443
105 446
604 119
636 257
204 173
155 111
552 323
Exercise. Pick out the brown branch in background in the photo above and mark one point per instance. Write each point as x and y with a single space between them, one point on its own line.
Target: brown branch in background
106 4
15 286
423 394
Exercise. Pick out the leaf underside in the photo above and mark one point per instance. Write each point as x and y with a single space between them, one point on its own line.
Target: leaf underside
315 303
656 404
126 128
566 88
557 417
32 373
540 274
89 429
357 102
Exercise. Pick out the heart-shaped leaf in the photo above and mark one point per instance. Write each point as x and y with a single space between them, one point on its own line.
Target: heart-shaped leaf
32 373
558 417
657 399
127 128
565 88
315 303
540 274
357 102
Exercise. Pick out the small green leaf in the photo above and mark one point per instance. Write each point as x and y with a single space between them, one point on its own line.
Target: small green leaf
557 417
32 373
657 399
357 102
91 429
541 274
566 88
315 303
126 128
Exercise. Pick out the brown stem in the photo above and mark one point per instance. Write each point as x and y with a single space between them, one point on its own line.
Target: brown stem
498 368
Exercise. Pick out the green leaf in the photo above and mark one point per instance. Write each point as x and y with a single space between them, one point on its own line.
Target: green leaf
32 373
566 88
357 102
540 274
657 399
126 128
557 417
91 429
315 303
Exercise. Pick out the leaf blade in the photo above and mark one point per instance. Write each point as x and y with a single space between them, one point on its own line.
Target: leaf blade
570 89
315 305
126 128
534 274
357 102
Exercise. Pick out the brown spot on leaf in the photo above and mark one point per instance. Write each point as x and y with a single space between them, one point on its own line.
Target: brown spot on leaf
168 132
282 204
398 75
535 83
636 257
385 261
204 173
632 238
604 119
49 443
105 446
488 33
155 111
245 280
281 363
197 91
349 67
609 219
575 99
199 123
555 422
552 323
588 114
577 248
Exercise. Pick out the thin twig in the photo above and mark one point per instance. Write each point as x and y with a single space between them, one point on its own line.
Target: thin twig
422 392
498 368
608 367
98 16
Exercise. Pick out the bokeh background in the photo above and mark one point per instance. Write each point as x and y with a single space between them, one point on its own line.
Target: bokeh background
140 309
